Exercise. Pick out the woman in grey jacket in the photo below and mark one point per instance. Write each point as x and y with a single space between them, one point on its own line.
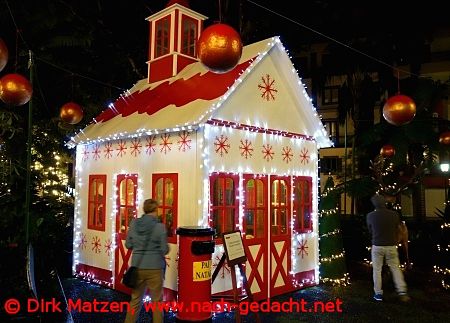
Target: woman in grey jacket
147 238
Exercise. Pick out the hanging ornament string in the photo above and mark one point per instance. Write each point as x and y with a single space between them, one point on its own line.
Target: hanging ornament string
16 63
334 40
79 75
399 109
71 87
220 11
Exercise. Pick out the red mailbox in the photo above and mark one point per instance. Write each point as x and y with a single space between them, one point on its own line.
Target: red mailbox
196 245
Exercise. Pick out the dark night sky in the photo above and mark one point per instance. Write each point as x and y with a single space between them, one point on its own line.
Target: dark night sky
118 33
340 20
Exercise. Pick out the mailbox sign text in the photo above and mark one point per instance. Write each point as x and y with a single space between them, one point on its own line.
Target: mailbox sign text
201 270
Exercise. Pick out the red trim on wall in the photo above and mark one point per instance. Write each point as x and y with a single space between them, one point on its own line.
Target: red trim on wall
255 276
285 237
193 41
241 126
183 61
172 236
121 252
97 203
161 68
221 207
97 273
175 37
263 179
164 39
150 42
170 295
120 178
299 224
306 275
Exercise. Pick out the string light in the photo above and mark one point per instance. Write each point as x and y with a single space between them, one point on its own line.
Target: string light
331 233
206 127
319 134
443 252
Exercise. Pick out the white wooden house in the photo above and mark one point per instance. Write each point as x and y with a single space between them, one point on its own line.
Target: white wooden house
237 150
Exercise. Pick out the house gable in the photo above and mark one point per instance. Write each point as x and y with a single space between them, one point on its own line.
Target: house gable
272 97
196 95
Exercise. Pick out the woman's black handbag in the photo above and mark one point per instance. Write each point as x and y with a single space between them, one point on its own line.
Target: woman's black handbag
130 277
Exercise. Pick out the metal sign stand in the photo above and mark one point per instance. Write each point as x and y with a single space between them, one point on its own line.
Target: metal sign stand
238 258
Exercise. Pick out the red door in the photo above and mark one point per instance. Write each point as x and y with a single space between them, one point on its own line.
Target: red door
126 211
280 235
255 234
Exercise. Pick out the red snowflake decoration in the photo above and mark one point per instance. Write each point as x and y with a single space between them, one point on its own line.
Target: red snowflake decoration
96 245
83 241
85 153
122 147
304 157
267 88
246 148
136 147
303 248
108 150
96 152
184 142
108 246
287 154
222 145
225 268
267 152
167 258
150 145
165 144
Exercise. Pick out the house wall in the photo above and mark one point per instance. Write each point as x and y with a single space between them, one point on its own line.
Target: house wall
241 151
144 156
265 127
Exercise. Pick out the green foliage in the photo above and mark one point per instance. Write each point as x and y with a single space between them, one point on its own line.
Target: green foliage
77 57
358 187
333 266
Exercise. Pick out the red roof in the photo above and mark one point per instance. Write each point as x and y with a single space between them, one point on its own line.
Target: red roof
191 98
207 86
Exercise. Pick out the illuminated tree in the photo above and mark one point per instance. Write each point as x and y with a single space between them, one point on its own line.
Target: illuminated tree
333 268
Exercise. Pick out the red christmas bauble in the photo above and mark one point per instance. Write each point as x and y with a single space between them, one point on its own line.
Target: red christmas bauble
219 48
387 151
71 113
15 89
3 54
444 138
399 110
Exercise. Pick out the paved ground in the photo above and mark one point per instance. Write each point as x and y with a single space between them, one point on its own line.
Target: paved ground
429 303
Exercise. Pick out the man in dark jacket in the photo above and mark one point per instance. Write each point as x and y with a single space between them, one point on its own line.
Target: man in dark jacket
147 238
383 225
